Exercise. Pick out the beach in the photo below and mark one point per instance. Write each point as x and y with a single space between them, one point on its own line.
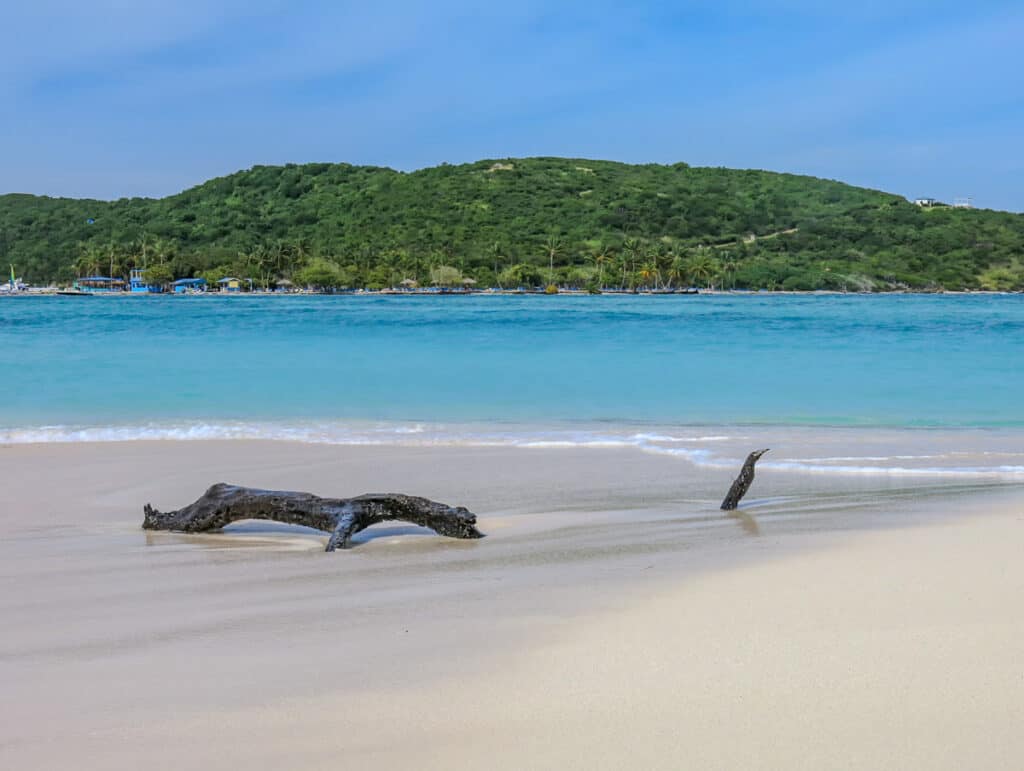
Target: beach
512 387
860 609
611 618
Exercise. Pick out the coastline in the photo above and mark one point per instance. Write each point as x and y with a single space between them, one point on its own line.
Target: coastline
922 454
619 614
52 291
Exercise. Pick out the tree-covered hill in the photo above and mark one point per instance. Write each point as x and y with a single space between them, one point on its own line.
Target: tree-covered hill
518 222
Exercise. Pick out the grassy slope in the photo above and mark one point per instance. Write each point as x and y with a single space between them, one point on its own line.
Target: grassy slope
456 213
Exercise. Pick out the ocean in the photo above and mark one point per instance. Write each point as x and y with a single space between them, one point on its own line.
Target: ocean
886 375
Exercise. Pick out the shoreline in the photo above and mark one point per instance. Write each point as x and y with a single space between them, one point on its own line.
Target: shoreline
48 292
910 455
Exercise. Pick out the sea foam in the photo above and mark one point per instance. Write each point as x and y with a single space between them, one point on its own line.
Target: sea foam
713 451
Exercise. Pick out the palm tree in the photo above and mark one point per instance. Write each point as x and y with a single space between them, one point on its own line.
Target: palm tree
248 259
300 251
653 264
392 261
677 270
436 257
258 264
702 267
622 263
663 257
89 260
115 257
632 250
497 253
278 258
649 273
600 256
729 268
163 250
142 249
408 264
552 248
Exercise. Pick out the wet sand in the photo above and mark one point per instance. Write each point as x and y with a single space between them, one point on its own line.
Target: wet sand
612 618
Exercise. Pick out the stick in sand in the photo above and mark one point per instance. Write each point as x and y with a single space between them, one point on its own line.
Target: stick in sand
743 481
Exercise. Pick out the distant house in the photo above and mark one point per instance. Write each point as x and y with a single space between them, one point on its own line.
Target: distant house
100 284
137 283
230 284
185 285
925 201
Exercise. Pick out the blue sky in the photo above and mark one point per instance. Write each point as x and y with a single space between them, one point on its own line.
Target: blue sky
128 97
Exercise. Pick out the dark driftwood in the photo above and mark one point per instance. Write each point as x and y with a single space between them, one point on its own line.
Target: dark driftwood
223 504
743 481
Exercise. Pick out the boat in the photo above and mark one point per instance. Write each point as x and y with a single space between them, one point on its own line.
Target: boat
14 286
73 293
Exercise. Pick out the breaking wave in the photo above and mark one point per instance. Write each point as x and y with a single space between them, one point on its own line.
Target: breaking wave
711 450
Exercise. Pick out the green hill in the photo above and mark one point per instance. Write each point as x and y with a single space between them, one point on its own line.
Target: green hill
596 222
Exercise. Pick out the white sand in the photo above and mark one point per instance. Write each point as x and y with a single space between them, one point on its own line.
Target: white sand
894 651
580 634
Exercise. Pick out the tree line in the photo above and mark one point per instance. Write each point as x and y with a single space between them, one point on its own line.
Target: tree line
632 264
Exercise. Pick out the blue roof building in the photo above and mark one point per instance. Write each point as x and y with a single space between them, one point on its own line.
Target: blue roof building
100 284
185 285
137 283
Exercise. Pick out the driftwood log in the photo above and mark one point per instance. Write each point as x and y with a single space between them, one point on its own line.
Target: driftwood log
743 481
223 504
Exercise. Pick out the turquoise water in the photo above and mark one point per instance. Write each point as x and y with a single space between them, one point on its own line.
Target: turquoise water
897 360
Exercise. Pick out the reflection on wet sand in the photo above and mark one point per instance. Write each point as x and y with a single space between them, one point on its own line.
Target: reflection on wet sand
746 521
